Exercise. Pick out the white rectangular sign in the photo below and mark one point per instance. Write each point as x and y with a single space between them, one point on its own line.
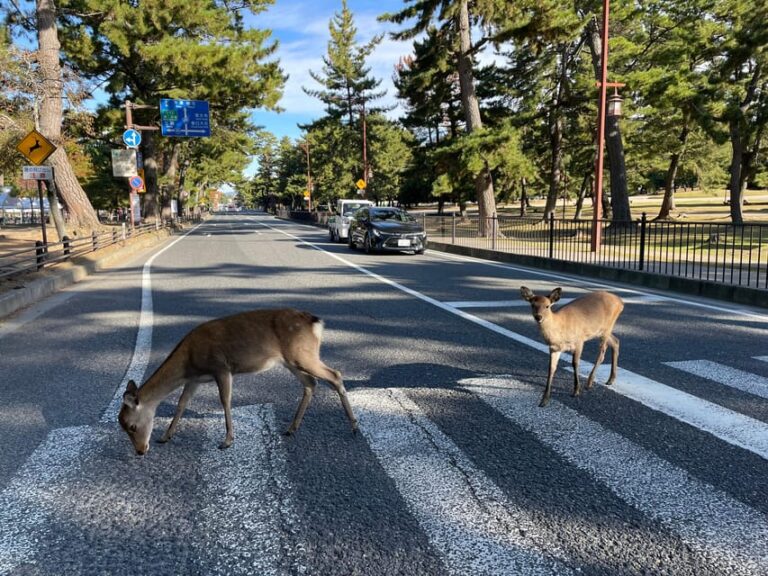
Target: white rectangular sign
37 173
124 163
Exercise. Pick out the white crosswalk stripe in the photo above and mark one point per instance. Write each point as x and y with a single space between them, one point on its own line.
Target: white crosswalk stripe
761 358
467 518
241 510
726 531
726 375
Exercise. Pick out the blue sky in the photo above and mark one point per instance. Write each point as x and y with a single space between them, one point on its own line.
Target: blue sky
301 28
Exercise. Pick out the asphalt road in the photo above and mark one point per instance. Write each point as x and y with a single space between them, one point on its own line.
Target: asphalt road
455 469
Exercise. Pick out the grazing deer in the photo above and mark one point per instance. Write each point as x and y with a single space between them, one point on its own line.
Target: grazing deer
248 342
565 330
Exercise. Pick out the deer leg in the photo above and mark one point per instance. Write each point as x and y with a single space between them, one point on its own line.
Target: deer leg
614 343
189 390
554 358
333 377
576 358
309 383
600 356
224 382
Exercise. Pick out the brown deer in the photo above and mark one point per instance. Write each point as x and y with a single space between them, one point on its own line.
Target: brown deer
565 330
248 342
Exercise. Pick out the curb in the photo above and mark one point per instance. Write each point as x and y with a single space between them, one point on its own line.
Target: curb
80 268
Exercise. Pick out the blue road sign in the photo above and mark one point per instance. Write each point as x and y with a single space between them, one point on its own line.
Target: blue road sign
132 138
136 182
184 118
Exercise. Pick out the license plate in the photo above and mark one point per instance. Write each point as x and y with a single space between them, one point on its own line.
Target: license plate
403 242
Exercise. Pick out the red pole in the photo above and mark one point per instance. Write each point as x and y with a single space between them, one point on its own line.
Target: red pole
596 228
365 150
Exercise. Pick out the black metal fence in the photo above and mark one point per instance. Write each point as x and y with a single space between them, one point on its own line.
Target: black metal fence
716 252
40 255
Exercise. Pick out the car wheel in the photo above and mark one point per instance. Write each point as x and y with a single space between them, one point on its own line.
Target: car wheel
367 244
350 242
331 235
420 251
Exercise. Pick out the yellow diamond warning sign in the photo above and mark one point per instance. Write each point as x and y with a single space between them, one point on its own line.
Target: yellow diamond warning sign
36 147
361 184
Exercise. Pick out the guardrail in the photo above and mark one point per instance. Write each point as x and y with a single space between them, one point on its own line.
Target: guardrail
39 256
716 252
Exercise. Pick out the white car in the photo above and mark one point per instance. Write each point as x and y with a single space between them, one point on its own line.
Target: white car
338 224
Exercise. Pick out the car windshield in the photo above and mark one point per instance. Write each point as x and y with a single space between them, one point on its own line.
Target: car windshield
392 214
350 208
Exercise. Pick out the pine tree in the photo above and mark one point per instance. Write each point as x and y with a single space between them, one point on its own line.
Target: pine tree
189 49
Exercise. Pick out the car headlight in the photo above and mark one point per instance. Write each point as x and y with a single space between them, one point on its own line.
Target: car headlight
376 233
345 221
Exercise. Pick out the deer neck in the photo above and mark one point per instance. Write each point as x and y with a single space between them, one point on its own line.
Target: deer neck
550 329
168 377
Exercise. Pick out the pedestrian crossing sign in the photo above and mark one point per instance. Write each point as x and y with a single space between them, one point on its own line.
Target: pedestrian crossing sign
36 147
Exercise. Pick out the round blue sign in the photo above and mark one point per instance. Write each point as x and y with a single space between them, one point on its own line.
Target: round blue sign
132 138
136 182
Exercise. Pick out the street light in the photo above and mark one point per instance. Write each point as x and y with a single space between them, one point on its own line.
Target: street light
604 109
305 146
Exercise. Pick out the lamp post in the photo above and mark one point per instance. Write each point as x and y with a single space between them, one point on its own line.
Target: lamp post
605 107
305 146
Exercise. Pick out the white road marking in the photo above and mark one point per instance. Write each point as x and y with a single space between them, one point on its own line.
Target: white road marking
143 347
496 303
467 518
710 521
725 424
761 358
32 498
245 520
596 283
248 510
739 379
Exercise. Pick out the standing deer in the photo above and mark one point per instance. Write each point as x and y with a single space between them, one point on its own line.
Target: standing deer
248 342
565 330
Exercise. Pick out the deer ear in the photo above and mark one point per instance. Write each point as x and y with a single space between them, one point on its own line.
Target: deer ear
130 397
554 296
526 293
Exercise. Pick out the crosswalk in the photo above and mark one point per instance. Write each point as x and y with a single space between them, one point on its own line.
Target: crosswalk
244 517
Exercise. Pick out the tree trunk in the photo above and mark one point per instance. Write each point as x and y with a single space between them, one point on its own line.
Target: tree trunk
734 184
668 204
524 202
56 215
151 201
78 205
586 185
486 201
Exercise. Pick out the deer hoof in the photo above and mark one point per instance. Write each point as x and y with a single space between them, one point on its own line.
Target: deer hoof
288 432
544 402
226 444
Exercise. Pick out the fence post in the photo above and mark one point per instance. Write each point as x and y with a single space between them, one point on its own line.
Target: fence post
643 222
114 236
65 242
493 232
453 229
95 241
123 231
39 253
551 235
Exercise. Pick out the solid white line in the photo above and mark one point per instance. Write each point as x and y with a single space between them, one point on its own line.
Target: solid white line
143 347
725 424
761 358
31 499
467 518
521 303
247 511
725 530
739 379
